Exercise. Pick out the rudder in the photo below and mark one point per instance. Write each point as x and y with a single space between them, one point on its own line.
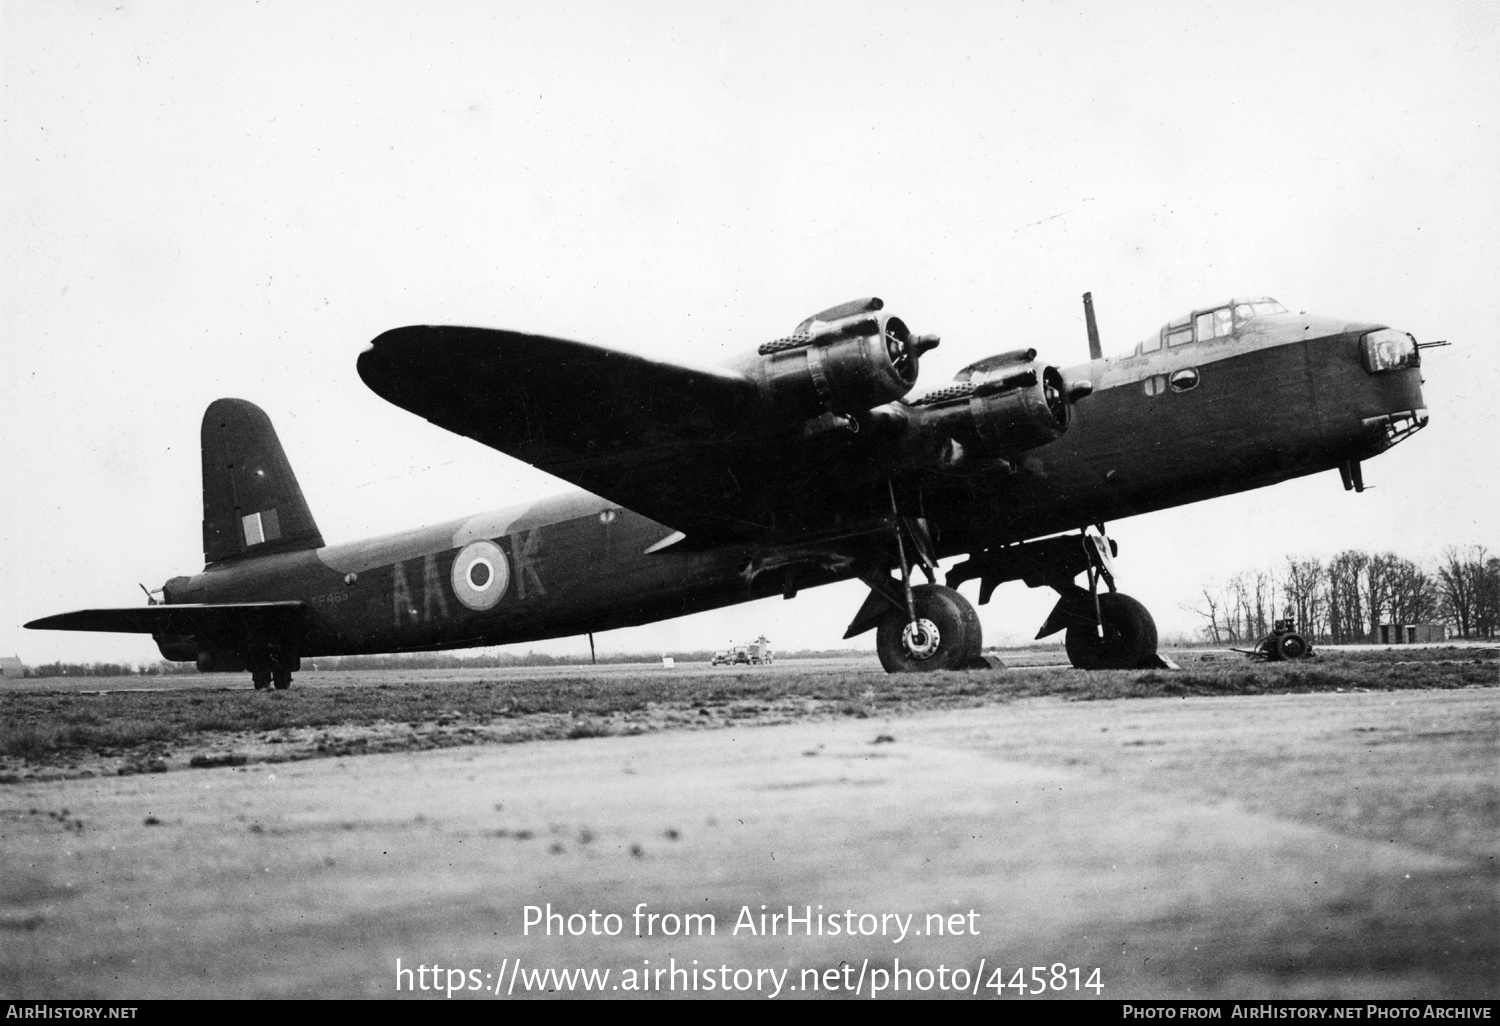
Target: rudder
252 504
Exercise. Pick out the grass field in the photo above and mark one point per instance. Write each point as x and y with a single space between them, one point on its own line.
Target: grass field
53 728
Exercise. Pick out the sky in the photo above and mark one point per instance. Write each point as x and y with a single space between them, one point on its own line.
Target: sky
234 199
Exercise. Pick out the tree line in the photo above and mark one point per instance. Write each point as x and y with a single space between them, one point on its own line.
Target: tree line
411 661
1346 599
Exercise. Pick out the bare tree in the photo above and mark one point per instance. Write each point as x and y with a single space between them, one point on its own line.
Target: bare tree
1487 597
1376 587
1304 587
1237 607
1346 610
1213 631
1460 579
1263 609
1409 591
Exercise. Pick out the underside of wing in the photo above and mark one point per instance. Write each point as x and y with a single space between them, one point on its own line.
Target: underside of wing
215 620
657 437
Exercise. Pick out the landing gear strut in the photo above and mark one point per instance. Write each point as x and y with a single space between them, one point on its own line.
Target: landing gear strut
922 627
1123 639
273 668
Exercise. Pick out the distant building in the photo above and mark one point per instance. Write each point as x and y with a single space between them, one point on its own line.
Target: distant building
1410 633
11 666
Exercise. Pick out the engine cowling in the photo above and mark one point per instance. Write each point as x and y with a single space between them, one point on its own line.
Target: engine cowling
218 660
1006 404
178 648
847 359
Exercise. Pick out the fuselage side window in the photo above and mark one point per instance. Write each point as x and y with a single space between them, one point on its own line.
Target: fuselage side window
1205 324
1223 324
1180 337
1185 379
1151 344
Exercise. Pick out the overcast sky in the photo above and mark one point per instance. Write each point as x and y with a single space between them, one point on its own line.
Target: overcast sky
232 199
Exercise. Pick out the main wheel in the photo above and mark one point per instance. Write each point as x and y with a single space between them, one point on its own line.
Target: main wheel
1129 636
1292 646
282 679
946 634
261 679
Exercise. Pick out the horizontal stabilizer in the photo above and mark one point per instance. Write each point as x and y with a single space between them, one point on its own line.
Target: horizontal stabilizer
181 618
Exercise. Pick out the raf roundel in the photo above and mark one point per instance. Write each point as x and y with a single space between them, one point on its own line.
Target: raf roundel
480 575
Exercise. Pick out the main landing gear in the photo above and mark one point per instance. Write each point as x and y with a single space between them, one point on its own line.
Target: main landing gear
281 679
923 627
944 633
273 667
1105 631
931 627
1124 638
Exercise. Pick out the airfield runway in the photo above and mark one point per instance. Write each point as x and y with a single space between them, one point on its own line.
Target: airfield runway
1296 845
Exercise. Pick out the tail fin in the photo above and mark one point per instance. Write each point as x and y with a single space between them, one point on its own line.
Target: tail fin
252 504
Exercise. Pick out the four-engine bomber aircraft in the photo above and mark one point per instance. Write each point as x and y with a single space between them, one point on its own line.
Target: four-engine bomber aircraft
800 464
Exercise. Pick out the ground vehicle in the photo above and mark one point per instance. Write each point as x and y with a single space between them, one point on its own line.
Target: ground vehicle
754 654
1282 643
759 651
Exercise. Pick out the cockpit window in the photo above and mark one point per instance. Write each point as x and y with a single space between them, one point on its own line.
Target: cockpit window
1214 324
1211 324
1261 308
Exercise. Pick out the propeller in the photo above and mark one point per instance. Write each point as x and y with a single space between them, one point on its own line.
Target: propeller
904 348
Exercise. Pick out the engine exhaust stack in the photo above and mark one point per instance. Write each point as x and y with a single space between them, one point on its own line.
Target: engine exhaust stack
1095 352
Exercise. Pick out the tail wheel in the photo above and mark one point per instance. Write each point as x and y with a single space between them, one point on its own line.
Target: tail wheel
1292 646
1129 636
946 634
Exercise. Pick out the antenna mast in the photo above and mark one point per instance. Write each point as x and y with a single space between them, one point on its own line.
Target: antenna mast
1095 353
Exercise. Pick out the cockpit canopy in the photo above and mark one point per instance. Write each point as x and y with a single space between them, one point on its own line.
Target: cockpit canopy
1210 322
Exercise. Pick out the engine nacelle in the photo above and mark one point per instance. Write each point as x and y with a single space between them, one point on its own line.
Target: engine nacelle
218 660
848 359
1006 404
177 648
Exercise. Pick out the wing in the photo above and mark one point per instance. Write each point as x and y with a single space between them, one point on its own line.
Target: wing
232 619
658 438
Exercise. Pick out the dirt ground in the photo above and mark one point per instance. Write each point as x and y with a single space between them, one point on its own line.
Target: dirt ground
1334 845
